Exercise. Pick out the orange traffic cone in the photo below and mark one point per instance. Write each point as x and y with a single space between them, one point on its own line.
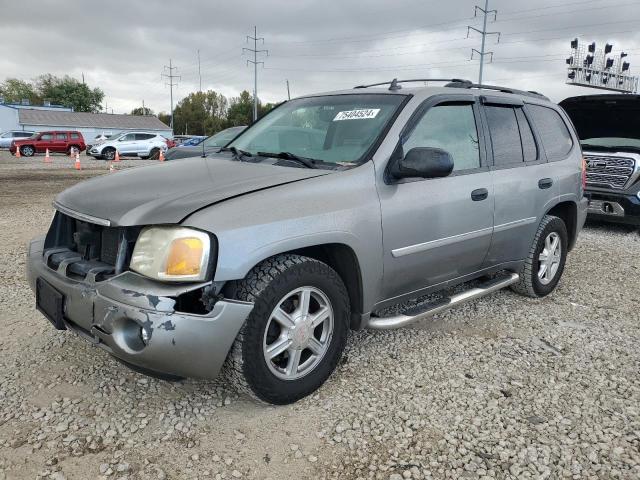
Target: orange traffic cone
47 157
161 156
117 157
77 162
18 152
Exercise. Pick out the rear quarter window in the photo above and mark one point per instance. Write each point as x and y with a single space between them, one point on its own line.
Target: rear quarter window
75 136
553 131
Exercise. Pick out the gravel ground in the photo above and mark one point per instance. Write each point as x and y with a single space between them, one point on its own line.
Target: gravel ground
504 387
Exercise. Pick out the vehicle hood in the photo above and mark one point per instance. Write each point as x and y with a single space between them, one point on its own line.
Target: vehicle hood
188 152
599 116
170 191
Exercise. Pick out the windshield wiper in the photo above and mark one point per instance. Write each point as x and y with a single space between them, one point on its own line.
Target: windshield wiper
307 162
236 152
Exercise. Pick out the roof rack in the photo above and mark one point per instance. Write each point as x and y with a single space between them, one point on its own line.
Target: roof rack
457 83
394 84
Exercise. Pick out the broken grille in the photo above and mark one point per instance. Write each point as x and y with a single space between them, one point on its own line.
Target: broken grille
609 172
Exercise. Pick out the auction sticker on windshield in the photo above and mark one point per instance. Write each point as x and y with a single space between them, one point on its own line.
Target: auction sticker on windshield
360 114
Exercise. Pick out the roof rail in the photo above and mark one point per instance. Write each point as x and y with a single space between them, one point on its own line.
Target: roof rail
528 93
456 83
394 84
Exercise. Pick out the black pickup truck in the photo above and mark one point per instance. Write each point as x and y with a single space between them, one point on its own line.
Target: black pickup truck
609 130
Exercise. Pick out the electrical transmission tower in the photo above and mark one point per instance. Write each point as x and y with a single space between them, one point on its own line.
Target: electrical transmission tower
255 62
486 12
169 81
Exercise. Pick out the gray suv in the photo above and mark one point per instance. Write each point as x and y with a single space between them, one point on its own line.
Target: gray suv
258 259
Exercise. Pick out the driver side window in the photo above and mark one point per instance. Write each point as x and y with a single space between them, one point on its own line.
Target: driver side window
452 128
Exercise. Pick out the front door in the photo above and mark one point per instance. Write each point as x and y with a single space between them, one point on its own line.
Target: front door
126 144
439 229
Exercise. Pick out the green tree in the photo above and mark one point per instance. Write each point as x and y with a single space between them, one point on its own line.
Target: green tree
69 92
142 111
164 117
240 110
14 90
200 113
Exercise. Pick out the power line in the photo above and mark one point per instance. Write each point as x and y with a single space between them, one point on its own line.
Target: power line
485 11
255 62
169 81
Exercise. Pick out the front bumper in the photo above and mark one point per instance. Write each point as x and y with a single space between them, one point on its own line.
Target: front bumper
614 207
109 314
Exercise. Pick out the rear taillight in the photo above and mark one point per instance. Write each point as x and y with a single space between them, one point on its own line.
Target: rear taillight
584 173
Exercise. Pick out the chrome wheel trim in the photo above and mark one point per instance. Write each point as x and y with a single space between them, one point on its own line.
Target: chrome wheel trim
27 151
302 322
110 154
549 259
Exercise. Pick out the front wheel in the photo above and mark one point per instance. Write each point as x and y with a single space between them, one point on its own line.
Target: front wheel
109 154
544 266
294 337
27 151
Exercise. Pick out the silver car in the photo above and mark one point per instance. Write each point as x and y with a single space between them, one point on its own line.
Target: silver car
7 137
129 144
258 260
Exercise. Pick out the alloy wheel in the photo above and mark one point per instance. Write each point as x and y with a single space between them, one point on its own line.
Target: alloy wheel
298 333
549 259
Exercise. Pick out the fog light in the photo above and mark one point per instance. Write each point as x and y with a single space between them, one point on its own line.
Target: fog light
145 335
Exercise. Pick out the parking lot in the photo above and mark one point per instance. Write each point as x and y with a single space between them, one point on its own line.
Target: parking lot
504 387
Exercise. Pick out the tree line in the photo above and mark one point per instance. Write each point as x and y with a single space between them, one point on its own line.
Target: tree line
199 113
205 113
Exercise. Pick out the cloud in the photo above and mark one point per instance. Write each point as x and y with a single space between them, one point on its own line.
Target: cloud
122 46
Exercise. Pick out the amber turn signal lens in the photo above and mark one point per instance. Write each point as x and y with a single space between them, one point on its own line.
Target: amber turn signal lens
185 256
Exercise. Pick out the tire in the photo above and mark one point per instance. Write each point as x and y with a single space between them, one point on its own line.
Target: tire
108 153
27 150
274 285
154 154
536 280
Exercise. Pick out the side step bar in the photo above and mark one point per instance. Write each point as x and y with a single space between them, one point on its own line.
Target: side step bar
424 311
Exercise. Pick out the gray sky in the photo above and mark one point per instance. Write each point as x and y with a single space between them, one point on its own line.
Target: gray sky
121 46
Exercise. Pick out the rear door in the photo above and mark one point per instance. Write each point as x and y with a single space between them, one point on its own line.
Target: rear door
59 142
438 229
525 184
143 143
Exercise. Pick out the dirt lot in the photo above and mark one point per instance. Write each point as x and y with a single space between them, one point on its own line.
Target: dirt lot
505 387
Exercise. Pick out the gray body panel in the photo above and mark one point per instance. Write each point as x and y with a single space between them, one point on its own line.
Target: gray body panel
408 237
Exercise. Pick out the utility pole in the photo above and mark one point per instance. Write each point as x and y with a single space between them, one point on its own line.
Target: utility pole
288 93
144 112
199 73
486 12
169 77
255 62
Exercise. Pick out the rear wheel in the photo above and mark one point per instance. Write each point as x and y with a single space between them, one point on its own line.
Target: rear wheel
294 337
27 150
154 154
544 266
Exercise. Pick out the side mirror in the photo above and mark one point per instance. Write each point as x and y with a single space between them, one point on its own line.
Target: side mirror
423 162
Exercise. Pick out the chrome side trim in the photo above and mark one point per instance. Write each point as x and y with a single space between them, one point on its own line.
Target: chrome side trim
81 216
441 242
516 223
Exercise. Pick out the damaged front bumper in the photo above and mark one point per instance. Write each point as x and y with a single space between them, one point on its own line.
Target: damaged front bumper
112 313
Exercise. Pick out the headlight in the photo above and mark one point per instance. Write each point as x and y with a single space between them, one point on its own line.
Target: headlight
172 253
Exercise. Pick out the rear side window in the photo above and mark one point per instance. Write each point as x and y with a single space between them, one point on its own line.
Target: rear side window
61 136
554 134
144 136
505 135
529 147
24 134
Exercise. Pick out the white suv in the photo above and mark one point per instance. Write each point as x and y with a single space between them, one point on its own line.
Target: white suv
130 144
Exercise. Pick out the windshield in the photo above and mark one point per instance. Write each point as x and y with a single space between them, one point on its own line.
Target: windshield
334 129
223 137
611 142
114 136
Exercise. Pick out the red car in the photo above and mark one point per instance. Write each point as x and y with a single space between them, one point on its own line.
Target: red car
57 141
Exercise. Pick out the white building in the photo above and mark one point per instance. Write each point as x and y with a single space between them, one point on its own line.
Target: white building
44 118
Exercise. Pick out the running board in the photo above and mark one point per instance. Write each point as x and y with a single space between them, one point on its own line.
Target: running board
424 311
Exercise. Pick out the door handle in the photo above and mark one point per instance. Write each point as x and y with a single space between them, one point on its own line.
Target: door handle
545 183
479 194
